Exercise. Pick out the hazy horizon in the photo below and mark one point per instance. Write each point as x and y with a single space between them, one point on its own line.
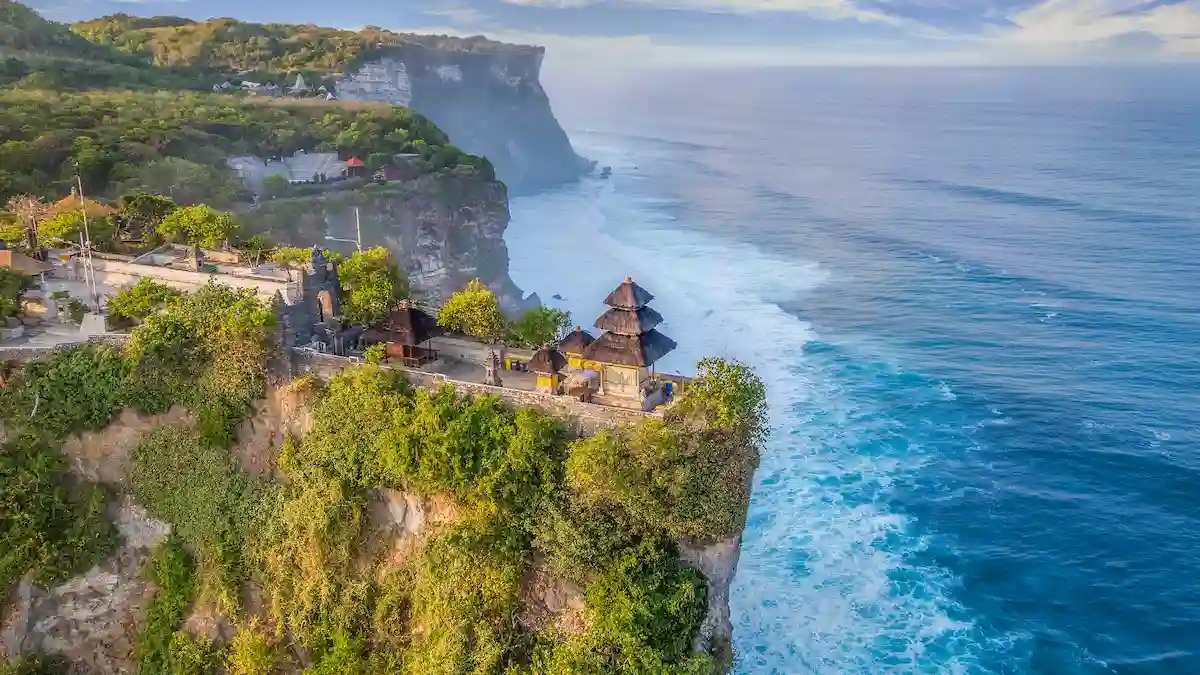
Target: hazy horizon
644 33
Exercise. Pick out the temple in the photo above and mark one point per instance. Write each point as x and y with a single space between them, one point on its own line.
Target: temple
405 332
626 352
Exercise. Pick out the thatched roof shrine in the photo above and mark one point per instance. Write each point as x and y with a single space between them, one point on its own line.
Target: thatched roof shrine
628 296
406 325
547 361
576 341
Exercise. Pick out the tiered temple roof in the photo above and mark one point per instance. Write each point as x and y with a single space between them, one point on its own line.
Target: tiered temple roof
630 338
576 342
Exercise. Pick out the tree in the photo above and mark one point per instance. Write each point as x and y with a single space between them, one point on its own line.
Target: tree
539 326
291 256
144 210
140 300
27 209
473 311
13 285
255 249
274 186
378 160
729 395
201 225
371 285
65 226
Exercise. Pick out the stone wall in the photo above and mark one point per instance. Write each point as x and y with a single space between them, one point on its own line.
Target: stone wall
22 354
117 274
472 351
585 418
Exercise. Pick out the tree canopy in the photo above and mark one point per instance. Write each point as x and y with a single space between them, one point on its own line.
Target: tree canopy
473 311
538 326
372 284
201 225
175 143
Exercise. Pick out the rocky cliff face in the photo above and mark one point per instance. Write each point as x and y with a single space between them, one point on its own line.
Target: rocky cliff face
486 96
444 230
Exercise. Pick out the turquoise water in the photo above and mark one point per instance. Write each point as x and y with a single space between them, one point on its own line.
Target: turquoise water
972 295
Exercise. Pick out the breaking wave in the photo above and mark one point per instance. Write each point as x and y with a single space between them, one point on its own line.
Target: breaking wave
829 580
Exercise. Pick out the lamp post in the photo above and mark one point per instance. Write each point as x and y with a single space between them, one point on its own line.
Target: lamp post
85 246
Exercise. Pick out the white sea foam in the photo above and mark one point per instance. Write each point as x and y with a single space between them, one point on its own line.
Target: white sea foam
824 584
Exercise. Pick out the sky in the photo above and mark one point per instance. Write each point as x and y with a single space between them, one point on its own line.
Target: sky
648 33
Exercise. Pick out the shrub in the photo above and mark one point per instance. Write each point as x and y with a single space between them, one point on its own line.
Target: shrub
173 572
688 475
209 502
75 389
45 527
13 285
137 302
539 326
250 653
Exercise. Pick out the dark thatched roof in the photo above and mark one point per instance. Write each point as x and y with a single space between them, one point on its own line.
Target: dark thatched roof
408 325
628 296
576 342
629 321
630 350
547 361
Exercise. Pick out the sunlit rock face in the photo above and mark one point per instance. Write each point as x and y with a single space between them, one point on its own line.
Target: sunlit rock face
485 95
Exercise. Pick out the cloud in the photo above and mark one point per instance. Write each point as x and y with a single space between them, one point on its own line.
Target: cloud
1081 28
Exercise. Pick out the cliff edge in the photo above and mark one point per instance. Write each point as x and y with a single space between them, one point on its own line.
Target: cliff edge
486 96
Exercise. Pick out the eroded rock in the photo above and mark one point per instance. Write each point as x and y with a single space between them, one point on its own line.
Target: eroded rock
718 563
94 618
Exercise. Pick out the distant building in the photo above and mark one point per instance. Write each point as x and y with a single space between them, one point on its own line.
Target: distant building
300 86
302 167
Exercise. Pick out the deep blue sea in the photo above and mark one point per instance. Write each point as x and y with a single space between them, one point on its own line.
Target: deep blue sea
973 295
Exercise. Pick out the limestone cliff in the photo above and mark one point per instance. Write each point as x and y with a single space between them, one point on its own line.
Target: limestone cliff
486 95
444 229
94 618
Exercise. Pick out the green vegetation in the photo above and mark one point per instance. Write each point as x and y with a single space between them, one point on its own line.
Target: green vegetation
267 51
35 665
473 311
201 225
12 286
176 143
538 326
372 284
600 511
195 486
47 525
162 647
137 302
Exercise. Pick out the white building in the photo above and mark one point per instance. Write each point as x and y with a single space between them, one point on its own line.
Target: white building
302 167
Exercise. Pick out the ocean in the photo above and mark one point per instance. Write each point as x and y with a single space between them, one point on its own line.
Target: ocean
972 295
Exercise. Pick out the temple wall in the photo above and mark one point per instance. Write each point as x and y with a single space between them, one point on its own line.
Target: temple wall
585 418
